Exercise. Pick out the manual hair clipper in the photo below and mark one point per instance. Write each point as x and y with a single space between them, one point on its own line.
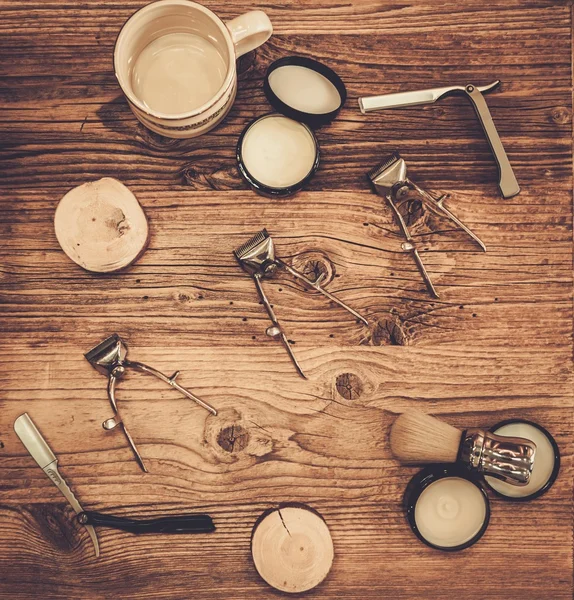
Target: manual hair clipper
110 359
389 179
257 257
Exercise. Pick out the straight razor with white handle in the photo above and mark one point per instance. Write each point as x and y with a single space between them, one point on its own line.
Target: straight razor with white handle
507 182
47 461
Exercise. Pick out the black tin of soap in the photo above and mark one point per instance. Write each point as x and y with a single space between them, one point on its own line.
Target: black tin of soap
278 153
455 487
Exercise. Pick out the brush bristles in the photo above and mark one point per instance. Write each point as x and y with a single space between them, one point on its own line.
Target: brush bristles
250 244
376 171
417 438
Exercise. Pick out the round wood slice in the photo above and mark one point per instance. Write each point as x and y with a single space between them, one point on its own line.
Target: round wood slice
101 226
292 548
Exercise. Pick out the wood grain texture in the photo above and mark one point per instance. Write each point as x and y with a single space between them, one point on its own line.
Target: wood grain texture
498 344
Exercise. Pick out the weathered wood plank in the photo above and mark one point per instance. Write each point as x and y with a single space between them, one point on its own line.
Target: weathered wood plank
289 425
498 344
197 566
102 138
187 283
294 446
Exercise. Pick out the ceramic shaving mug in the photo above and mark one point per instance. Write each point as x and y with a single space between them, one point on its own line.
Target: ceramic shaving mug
175 62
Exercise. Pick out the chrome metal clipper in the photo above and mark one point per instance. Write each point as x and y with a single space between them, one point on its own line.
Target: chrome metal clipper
110 359
389 179
507 182
257 257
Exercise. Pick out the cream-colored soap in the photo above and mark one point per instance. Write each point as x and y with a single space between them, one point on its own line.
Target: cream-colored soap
177 73
304 89
543 461
450 512
278 152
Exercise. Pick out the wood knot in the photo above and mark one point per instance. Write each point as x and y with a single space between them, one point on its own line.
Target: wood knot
246 65
561 115
210 179
315 265
54 526
233 438
413 210
388 332
156 141
349 386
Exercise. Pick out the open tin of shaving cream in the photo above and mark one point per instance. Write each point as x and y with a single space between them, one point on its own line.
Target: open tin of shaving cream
546 461
278 153
446 507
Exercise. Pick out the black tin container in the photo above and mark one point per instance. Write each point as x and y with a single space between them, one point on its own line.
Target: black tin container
552 449
435 474
302 121
312 119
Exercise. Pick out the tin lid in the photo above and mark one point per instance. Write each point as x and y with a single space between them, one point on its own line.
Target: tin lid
546 461
461 503
305 90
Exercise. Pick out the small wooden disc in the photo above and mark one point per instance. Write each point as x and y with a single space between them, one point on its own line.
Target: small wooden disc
101 226
292 548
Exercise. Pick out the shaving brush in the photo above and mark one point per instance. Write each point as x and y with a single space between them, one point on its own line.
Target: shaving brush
417 438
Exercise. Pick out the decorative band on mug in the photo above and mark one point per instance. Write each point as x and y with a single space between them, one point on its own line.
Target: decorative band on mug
277 155
546 461
446 507
305 90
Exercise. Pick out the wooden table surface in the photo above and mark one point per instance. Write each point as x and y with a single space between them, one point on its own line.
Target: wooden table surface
497 344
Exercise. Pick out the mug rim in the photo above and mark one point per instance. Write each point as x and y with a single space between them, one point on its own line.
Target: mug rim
132 98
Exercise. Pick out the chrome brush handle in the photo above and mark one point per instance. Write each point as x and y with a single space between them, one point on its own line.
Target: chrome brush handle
510 459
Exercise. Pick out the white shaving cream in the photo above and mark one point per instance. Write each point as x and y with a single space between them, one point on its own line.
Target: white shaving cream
450 512
278 152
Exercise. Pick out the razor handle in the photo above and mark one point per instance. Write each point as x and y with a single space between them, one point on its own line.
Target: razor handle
176 524
507 182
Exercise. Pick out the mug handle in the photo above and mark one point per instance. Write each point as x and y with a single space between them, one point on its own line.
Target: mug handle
249 31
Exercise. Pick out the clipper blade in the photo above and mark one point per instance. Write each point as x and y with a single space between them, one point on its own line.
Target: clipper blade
257 255
243 250
388 173
107 354
376 171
